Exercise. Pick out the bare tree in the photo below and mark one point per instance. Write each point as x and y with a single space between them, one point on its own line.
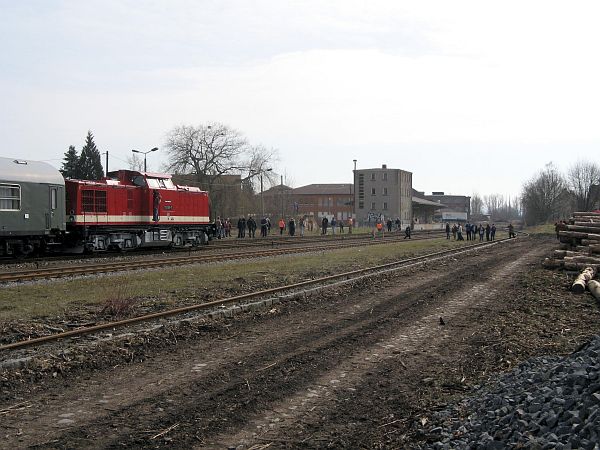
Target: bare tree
216 154
135 162
476 204
582 177
493 203
545 196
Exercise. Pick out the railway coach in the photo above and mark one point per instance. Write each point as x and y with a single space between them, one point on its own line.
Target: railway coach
32 207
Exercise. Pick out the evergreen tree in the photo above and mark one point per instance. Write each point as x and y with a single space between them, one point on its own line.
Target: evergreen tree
70 167
90 163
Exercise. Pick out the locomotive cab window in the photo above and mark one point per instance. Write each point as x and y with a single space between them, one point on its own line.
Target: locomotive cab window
139 181
10 197
160 183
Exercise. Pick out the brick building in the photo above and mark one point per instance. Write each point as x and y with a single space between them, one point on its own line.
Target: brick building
324 200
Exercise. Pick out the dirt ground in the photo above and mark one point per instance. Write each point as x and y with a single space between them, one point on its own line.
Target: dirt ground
360 367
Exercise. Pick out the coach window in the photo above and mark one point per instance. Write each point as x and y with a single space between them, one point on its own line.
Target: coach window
10 197
53 198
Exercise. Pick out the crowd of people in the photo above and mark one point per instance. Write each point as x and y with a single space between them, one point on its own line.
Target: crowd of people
472 230
246 227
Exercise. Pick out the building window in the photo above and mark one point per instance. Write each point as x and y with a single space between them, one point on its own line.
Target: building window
384 205
373 191
384 176
373 176
10 197
385 191
373 205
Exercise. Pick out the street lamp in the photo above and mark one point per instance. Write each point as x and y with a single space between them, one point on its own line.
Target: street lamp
145 153
262 200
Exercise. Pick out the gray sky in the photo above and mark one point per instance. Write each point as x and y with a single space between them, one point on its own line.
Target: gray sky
469 96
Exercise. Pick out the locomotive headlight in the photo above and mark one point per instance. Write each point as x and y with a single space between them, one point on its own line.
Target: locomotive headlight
71 219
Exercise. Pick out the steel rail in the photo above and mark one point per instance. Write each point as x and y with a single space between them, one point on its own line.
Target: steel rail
185 309
88 269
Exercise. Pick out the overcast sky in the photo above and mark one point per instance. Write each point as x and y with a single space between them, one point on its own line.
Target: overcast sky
469 96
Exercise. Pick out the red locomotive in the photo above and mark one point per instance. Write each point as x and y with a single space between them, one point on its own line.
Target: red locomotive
130 209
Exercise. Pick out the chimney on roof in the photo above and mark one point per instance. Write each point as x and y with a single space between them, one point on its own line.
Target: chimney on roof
384 166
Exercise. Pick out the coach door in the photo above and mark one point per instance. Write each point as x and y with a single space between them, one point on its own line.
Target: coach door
55 211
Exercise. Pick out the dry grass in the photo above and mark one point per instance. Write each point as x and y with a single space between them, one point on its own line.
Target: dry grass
120 294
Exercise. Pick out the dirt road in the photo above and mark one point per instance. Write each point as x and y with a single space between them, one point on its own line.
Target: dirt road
355 368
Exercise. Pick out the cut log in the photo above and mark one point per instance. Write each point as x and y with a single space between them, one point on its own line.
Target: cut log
594 288
582 280
583 249
579 235
586 213
595 248
560 254
578 267
590 242
582 259
583 229
550 263
593 224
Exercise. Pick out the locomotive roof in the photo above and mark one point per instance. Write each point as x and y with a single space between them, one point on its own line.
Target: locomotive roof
136 172
23 170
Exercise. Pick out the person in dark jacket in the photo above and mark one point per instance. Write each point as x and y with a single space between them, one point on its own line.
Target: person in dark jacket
292 226
263 227
447 231
324 225
251 224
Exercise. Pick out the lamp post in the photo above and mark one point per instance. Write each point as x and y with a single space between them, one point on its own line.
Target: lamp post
145 153
262 200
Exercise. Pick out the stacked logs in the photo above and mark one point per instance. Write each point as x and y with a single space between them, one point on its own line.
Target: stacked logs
580 249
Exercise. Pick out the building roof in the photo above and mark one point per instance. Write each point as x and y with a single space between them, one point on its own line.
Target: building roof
325 189
425 202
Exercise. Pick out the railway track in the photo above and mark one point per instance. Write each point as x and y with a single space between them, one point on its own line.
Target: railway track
118 266
309 284
273 240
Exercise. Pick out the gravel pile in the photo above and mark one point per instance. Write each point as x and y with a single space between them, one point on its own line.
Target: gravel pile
545 403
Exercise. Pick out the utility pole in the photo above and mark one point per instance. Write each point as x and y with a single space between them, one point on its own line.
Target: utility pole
282 209
106 153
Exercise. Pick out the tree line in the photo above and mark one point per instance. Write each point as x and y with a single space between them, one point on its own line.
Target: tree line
547 197
86 165
212 156
551 195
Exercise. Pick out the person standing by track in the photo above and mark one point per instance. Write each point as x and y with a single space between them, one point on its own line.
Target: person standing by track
447 230
281 226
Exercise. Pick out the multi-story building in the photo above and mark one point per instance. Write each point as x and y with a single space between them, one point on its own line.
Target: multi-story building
458 207
381 194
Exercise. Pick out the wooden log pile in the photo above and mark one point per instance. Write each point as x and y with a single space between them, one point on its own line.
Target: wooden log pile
579 250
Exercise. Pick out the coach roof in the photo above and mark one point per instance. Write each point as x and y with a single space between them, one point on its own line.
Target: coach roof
14 170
